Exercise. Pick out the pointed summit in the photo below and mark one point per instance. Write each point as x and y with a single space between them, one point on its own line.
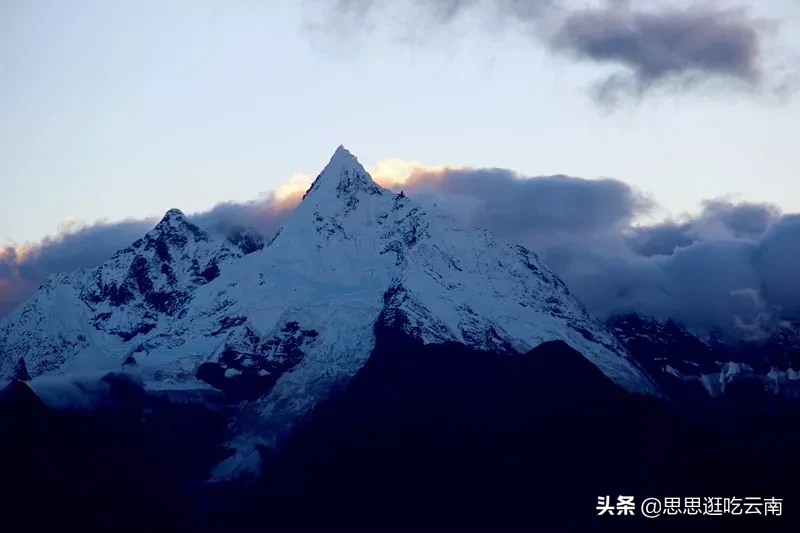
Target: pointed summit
343 158
343 153
173 217
176 229
344 176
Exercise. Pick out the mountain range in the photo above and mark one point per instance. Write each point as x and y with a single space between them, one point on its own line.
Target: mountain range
281 323
366 299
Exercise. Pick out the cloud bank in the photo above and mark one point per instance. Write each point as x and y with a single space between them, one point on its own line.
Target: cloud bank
730 268
668 48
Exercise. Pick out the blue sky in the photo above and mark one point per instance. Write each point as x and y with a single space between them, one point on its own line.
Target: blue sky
124 109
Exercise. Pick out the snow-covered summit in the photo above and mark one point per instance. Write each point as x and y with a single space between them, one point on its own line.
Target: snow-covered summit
173 218
89 316
281 325
343 177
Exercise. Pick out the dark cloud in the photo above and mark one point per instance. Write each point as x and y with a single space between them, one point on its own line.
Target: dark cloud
719 219
672 45
745 220
778 264
675 48
662 239
562 202
728 268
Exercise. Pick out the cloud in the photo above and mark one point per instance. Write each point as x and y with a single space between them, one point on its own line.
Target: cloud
659 47
778 263
719 219
22 268
730 268
416 22
661 239
551 202
667 48
441 10
393 171
701 269
264 215
437 11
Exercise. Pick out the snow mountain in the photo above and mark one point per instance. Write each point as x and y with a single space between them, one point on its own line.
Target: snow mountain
278 326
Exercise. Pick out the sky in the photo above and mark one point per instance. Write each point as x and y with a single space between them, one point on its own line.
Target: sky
113 112
116 109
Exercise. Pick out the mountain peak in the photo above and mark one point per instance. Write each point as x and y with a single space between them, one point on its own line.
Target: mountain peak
173 217
344 175
343 153
176 229
174 221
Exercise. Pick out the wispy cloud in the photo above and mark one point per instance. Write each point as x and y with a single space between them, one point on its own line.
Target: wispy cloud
678 49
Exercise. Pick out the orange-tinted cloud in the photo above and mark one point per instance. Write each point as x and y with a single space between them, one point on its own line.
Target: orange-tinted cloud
393 172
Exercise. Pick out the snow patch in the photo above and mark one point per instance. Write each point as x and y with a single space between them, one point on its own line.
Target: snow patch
231 372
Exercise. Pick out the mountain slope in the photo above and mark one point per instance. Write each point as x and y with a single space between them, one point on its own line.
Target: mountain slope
283 325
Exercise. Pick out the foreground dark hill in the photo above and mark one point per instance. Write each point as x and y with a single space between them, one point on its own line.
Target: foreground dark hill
130 465
443 437
424 438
